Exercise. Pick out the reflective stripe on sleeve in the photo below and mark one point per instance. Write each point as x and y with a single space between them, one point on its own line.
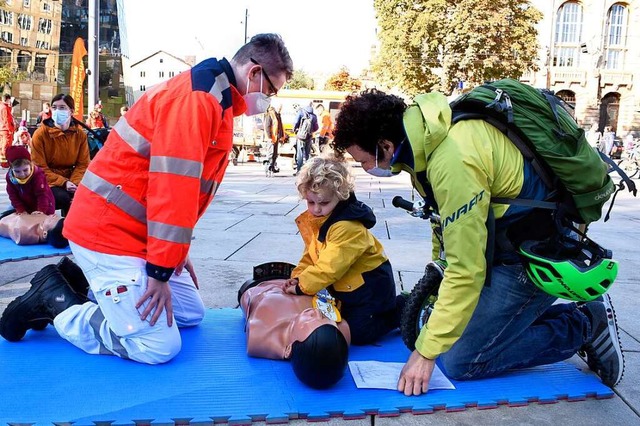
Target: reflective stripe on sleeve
131 136
171 233
208 186
177 166
113 194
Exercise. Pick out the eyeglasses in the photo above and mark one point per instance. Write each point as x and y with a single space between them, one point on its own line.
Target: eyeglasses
273 90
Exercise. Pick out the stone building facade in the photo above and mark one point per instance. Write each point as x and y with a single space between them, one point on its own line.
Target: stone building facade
590 56
29 43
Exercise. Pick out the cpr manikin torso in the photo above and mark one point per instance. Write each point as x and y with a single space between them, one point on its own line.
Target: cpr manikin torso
276 319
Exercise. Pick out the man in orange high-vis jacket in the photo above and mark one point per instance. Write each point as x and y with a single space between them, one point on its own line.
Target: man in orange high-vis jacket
135 210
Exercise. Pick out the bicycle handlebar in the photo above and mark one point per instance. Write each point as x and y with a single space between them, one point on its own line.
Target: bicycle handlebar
400 202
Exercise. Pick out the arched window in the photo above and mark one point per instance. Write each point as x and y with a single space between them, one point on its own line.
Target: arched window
609 109
568 96
616 36
568 34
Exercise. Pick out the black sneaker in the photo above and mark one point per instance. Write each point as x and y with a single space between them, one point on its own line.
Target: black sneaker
49 295
604 353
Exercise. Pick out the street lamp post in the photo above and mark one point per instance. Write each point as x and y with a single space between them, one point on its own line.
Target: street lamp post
93 68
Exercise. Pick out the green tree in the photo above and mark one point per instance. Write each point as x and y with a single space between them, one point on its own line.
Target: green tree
300 80
9 76
343 81
433 44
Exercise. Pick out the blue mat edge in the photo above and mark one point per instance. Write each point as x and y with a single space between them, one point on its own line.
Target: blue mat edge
601 392
38 256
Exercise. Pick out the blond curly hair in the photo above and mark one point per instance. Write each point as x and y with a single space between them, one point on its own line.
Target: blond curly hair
325 174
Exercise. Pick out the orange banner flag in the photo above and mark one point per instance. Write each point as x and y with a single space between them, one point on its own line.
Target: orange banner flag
77 77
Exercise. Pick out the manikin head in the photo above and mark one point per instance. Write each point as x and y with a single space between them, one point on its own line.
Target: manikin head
318 350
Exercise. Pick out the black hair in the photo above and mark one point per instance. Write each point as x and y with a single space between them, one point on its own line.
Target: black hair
269 51
368 118
320 360
54 236
67 100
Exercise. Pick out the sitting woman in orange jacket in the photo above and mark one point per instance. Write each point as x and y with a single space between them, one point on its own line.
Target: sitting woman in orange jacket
60 149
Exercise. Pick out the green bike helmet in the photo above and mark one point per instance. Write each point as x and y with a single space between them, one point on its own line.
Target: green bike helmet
571 269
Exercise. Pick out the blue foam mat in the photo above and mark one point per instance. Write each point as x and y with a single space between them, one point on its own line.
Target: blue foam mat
11 252
46 380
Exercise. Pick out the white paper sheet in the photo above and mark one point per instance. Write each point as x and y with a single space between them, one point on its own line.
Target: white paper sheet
384 375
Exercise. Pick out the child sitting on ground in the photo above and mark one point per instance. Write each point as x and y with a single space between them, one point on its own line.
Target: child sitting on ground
22 137
341 254
34 220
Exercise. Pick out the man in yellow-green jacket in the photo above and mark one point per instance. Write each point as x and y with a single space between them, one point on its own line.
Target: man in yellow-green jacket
481 324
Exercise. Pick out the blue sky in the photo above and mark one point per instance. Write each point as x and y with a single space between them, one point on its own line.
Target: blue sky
321 35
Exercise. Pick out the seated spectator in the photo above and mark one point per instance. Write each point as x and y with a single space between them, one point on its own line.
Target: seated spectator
96 119
45 114
283 326
22 137
60 149
33 220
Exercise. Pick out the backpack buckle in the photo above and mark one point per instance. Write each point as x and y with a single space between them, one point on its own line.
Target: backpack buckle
498 97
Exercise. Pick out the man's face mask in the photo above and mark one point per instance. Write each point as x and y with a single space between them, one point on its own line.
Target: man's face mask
257 102
377 171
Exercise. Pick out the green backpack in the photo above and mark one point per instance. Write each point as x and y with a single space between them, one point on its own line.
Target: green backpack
537 122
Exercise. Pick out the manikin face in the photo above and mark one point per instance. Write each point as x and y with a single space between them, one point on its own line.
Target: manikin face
321 203
304 324
22 172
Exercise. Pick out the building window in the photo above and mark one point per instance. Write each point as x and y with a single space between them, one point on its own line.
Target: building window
567 35
161 74
46 7
142 73
161 60
6 17
172 73
25 22
40 65
26 3
42 44
24 41
7 36
44 26
615 41
142 88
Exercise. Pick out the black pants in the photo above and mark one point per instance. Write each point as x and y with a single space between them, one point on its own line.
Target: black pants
371 310
63 199
274 156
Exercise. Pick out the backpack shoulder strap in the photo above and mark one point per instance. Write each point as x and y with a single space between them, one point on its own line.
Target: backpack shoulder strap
528 153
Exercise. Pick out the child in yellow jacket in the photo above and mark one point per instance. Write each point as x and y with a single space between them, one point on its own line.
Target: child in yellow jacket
341 254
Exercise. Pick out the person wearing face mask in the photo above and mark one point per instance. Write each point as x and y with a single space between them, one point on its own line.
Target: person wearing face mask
134 212
282 326
476 329
60 149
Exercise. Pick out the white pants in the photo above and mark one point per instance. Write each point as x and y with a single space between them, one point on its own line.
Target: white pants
113 325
